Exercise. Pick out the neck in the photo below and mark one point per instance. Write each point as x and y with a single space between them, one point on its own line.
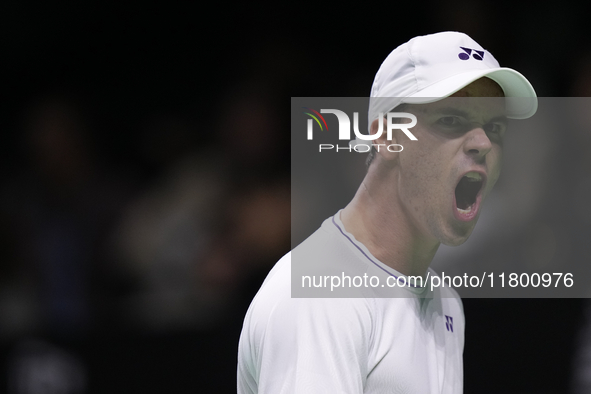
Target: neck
375 219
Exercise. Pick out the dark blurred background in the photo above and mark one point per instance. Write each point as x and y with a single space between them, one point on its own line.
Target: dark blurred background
146 187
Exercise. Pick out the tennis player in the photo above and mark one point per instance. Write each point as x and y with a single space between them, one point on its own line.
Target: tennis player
409 202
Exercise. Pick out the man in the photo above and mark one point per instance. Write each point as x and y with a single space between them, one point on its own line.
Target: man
409 202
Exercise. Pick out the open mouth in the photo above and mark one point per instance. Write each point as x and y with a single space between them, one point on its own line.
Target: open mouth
467 192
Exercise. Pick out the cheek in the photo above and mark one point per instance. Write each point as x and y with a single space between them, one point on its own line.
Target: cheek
423 178
495 165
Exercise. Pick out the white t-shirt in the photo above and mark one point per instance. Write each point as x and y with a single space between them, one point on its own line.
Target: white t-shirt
370 344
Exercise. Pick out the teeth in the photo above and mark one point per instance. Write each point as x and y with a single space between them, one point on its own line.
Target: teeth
473 176
465 210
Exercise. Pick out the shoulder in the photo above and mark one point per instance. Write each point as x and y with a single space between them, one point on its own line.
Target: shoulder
302 344
281 334
274 304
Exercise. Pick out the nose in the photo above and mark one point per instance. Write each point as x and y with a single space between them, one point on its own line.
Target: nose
477 143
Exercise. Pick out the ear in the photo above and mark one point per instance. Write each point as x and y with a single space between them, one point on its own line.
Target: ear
382 142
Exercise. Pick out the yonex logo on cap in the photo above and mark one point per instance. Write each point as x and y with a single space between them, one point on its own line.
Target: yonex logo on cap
478 55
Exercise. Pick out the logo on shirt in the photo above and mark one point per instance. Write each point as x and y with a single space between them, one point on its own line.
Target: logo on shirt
449 323
478 55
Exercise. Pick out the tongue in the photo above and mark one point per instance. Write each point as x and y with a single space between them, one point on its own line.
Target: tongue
466 192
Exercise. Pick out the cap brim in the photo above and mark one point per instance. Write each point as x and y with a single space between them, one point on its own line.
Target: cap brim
521 102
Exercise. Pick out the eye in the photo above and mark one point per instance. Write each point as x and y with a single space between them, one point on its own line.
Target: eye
449 121
495 128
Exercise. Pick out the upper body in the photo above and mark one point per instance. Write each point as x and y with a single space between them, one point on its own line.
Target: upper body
409 202
411 342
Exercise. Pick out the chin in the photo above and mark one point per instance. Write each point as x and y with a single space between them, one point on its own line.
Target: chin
451 232
457 237
455 241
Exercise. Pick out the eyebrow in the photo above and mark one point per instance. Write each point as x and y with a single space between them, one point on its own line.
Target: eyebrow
464 114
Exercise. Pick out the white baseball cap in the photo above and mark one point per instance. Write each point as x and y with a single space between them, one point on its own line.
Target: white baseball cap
432 67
